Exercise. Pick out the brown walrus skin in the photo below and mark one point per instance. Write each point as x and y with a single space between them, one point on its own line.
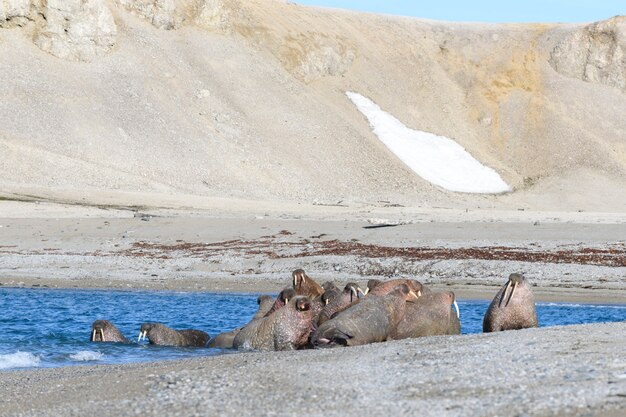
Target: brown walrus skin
286 329
431 314
305 285
339 302
160 334
225 340
512 308
372 319
105 331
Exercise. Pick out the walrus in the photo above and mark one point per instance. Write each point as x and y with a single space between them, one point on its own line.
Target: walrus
431 314
329 286
281 300
378 287
160 334
339 301
286 329
305 285
105 331
511 310
225 340
372 319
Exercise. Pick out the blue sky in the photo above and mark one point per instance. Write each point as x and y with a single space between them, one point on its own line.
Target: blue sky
487 10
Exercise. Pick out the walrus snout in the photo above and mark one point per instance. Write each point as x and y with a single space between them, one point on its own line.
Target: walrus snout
299 277
97 331
516 278
514 281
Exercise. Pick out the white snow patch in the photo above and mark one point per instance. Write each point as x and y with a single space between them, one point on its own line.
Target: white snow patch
19 360
87 355
437 159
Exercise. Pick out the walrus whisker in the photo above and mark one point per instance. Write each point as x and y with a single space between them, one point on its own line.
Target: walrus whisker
93 335
102 335
456 307
504 293
511 295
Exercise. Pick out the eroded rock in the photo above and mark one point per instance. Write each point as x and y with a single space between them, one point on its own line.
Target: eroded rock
165 14
77 30
595 53
14 12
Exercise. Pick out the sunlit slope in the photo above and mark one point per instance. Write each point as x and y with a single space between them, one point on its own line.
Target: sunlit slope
248 101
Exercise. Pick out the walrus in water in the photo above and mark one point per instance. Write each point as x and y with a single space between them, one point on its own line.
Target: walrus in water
225 340
105 331
512 308
305 285
286 329
432 314
372 319
338 302
160 334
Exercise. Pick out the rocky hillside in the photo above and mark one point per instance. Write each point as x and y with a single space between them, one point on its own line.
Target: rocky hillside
171 101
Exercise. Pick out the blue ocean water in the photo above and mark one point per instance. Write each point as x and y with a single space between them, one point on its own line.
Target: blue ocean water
51 328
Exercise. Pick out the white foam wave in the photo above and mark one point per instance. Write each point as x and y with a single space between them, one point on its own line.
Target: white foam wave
437 159
19 360
87 355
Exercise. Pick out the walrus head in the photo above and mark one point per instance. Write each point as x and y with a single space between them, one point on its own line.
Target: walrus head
404 291
302 304
97 330
299 278
354 290
263 298
371 284
144 330
514 281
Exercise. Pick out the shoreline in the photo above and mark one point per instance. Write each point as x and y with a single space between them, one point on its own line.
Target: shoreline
468 293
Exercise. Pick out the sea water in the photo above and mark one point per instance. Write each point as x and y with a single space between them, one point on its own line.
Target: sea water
51 328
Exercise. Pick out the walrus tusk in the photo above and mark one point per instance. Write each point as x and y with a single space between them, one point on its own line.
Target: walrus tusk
504 294
354 293
511 295
366 291
326 302
93 335
419 293
102 335
286 301
456 307
140 335
359 290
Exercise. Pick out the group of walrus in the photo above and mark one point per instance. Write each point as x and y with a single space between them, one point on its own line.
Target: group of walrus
309 315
